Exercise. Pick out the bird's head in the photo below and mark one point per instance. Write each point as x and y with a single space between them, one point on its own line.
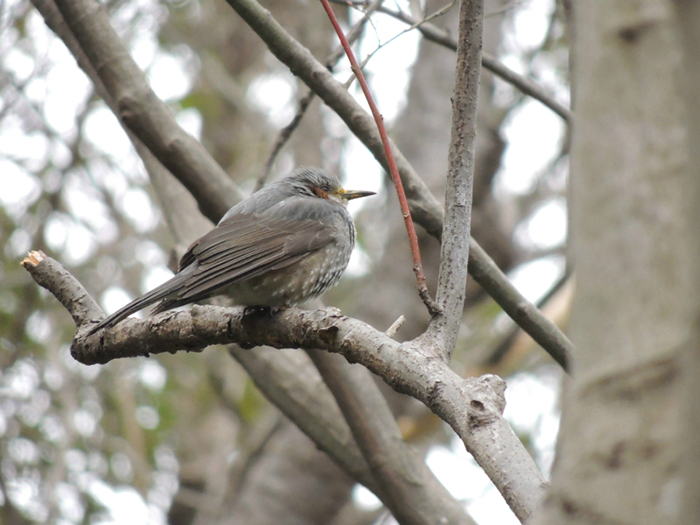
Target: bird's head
315 182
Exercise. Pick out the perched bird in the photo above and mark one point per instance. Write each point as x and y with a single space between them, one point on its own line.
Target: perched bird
283 245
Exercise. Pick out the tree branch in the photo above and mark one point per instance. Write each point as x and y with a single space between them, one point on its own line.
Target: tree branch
305 102
143 112
454 256
438 36
523 312
473 407
415 496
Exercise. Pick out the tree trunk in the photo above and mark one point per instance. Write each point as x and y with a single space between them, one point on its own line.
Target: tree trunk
633 240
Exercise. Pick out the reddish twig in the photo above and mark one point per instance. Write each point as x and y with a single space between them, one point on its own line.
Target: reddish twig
393 170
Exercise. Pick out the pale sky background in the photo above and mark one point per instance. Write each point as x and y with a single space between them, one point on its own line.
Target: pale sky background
534 134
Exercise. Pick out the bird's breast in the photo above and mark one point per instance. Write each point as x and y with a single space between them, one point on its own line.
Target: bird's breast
297 283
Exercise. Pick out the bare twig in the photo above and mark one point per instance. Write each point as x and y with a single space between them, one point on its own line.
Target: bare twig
283 137
395 326
439 36
422 21
472 407
391 162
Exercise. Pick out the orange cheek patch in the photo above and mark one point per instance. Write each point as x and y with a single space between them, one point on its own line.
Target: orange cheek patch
320 193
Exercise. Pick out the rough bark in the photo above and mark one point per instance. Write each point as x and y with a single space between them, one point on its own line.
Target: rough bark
689 16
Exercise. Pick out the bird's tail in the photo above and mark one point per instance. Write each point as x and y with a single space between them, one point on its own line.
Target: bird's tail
157 294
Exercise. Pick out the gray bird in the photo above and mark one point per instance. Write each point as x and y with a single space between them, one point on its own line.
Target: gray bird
283 245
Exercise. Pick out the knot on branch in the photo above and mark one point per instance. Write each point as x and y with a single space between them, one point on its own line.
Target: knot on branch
130 107
486 399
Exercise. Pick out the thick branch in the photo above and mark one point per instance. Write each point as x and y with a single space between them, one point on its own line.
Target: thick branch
472 407
143 112
290 381
415 496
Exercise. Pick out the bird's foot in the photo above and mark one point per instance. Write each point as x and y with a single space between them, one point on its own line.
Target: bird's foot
260 311
254 314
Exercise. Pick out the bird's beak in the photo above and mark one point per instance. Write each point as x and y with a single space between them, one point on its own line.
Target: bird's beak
349 195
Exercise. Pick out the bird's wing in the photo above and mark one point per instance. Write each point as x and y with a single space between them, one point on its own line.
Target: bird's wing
245 246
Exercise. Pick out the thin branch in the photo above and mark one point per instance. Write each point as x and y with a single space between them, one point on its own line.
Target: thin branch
498 351
527 86
523 312
454 256
425 20
395 326
391 163
305 102
473 407
415 496
141 110
283 137
434 34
